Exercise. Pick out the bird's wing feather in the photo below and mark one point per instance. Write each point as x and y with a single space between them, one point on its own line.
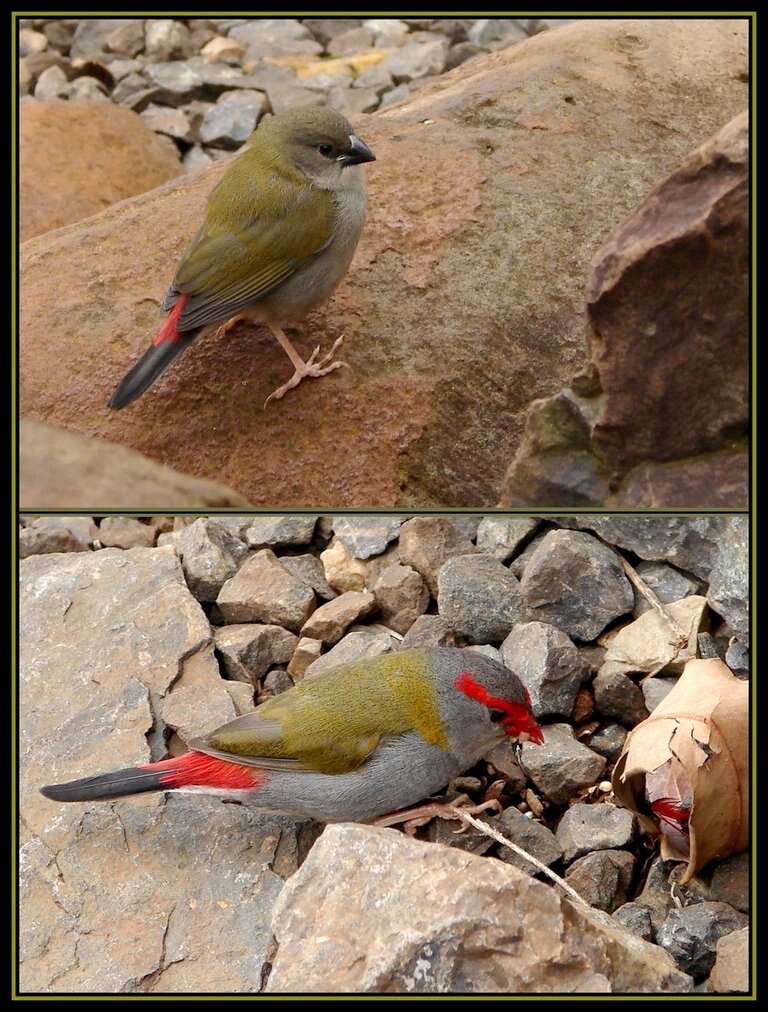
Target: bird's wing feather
245 249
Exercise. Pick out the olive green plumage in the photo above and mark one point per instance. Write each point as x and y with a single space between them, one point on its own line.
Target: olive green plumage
306 728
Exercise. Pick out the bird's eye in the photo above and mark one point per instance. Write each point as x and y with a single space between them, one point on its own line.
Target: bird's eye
326 150
497 715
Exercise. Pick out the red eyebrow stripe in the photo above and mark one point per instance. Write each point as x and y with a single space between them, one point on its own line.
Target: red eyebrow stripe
465 683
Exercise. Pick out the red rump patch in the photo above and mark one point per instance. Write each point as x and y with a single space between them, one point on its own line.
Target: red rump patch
518 717
196 769
168 331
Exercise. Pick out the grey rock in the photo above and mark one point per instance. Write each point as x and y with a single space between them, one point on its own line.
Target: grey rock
479 598
283 97
691 935
617 696
729 581
352 41
365 536
31 41
220 49
518 564
501 537
52 83
134 92
635 918
88 89
608 740
473 841
59 34
532 836
233 119
358 643
250 650
688 543
127 38
487 651
487 30
416 60
166 39
730 974
196 158
429 631
730 882
439 920
426 543
377 77
307 651
585 828
309 569
575 582
398 94
91 34
264 532
548 664
655 690
602 878
656 895
122 68
176 82
737 656
667 583
562 766
264 591
47 535
351 101
266 37
503 758
401 596
460 53
210 555
168 121
326 29
277 681
125 532
330 621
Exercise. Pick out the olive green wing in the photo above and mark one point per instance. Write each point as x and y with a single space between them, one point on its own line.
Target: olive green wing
248 246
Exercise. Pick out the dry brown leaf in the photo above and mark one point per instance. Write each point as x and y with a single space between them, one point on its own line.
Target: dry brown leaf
702 726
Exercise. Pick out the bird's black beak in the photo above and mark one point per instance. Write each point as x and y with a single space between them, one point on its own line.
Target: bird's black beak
358 152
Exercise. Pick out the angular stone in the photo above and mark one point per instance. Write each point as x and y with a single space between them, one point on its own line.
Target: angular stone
655 690
602 878
730 882
617 696
401 596
164 120
666 582
342 571
264 591
635 918
360 642
365 536
351 41
501 538
562 765
426 543
88 89
276 681
585 828
230 122
690 935
548 664
266 531
486 30
250 650
608 740
57 534
416 60
198 702
52 83
242 696
31 41
719 479
576 583
730 974
166 39
127 38
177 82
307 651
377 78
429 631
224 50
309 569
210 555
532 836
439 920
330 621
125 532
479 598
650 644
729 581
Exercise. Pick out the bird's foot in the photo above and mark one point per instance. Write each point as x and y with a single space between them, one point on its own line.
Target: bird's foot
229 324
422 814
311 369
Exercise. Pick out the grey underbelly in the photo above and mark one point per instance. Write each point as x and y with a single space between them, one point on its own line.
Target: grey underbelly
396 778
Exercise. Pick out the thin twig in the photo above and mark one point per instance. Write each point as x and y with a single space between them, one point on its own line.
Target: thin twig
653 601
489 831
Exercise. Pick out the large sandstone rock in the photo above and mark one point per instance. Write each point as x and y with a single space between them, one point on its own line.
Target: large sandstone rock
668 306
60 469
463 304
431 919
138 895
79 157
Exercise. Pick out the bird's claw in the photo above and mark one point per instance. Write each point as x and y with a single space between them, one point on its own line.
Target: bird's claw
310 369
413 818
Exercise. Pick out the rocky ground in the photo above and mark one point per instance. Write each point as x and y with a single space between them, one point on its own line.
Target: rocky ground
206 82
138 634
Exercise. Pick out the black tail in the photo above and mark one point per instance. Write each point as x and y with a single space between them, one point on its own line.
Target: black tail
107 785
150 367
